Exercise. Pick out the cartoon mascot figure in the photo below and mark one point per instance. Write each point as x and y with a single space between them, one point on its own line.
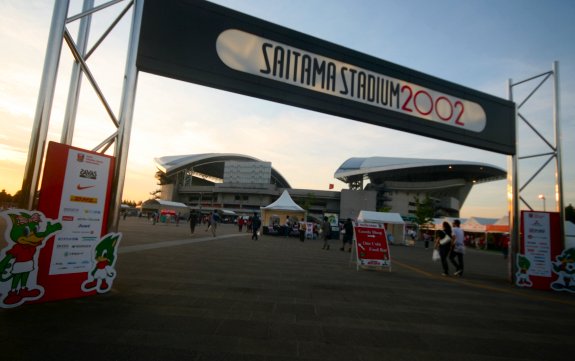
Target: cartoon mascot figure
25 234
104 255
564 267
522 277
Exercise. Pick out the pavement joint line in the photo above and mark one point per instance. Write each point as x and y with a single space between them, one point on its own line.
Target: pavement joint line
173 243
485 287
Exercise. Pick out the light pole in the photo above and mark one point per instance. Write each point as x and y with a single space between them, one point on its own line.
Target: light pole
542 197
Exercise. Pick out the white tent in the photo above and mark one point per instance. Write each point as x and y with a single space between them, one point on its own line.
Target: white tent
158 205
394 224
279 210
477 224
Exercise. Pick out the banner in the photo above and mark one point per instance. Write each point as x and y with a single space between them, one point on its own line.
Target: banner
540 259
371 245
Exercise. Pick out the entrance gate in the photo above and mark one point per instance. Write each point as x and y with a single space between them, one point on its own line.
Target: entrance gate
204 43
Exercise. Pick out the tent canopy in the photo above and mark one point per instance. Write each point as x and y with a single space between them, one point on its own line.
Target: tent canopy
380 217
158 204
284 203
282 208
477 224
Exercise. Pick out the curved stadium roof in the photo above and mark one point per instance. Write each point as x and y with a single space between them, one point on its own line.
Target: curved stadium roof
380 169
211 164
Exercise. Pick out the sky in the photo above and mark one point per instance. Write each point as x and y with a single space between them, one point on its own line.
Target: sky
480 44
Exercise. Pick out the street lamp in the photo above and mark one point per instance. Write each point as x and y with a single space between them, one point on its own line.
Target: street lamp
541 196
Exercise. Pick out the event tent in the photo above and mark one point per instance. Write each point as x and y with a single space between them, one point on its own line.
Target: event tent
279 210
477 224
394 224
161 205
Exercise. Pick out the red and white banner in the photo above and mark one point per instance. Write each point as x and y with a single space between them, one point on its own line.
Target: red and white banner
539 246
371 245
75 190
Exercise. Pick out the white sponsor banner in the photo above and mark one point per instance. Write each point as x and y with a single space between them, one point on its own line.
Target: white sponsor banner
81 212
262 57
537 238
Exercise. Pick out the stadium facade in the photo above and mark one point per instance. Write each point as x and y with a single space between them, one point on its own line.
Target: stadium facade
243 184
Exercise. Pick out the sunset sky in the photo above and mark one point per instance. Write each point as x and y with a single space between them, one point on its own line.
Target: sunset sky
478 43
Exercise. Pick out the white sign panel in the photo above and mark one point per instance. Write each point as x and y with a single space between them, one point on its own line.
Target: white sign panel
258 56
537 238
81 212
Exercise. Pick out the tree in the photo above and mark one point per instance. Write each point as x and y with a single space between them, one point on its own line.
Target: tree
5 197
308 201
570 213
424 211
156 194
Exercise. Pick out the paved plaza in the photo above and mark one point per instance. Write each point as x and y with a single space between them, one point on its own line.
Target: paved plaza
183 297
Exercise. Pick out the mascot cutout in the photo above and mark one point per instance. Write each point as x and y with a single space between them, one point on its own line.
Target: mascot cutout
104 257
564 267
26 233
522 275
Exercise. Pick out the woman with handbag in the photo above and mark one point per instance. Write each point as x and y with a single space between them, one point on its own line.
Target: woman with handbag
443 244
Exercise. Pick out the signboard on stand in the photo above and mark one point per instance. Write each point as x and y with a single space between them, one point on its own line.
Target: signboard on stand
370 246
540 250
61 251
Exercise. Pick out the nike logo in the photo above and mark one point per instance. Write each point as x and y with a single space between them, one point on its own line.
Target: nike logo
83 187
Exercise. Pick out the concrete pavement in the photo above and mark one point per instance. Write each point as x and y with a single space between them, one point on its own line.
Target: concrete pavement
183 297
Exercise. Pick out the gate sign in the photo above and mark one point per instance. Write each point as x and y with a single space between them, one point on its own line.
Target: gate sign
371 245
208 44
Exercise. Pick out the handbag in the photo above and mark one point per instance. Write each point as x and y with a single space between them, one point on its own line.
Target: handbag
435 256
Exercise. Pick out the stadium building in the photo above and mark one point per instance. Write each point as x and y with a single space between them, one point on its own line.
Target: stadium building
243 184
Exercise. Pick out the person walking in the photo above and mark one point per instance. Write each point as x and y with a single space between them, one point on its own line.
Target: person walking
458 248
193 219
302 228
215 217
287 227
325 233
347 235
426 238
443 244
256 224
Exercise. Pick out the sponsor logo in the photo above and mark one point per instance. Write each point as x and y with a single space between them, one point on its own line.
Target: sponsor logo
88 174
92 211
68 218
80 157
81 199
83 219
81 187
71 210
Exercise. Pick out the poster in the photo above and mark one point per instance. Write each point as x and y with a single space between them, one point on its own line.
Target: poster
539 245
371 245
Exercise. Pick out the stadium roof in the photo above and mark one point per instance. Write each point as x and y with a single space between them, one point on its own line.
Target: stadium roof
381 169
211 164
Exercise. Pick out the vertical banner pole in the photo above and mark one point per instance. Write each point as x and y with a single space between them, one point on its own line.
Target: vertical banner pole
125 118
558 162
44 105
513 197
